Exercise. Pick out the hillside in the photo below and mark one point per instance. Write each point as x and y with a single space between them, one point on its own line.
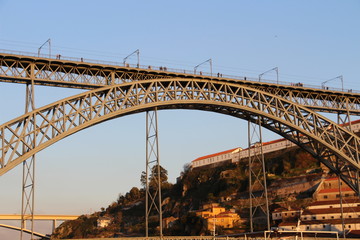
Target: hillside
227 185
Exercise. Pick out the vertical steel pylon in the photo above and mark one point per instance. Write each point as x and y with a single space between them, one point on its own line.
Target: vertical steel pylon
257 173
153 171
28 182
343 118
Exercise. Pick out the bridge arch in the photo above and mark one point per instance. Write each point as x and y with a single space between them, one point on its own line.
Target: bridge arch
331 144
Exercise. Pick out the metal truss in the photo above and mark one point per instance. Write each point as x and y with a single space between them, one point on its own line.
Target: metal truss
77 74
153 191
257 175
28 182
328 142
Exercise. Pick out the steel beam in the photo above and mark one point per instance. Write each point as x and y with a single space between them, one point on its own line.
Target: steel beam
153 173
28 182
86 75
321 137
258 196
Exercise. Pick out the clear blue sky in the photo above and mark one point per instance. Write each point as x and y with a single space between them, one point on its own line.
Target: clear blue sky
309 41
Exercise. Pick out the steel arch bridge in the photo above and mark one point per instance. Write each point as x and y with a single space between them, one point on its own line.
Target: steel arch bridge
333 145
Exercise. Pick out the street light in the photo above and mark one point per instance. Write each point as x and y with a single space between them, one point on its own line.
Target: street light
49 42
276 69
341 79
209 61
137 51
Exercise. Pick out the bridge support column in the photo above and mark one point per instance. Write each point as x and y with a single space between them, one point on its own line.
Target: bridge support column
257 174
28 182
153 170
54 226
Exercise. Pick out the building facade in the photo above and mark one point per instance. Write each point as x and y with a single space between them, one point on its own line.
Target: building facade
238 154
329 212
218 216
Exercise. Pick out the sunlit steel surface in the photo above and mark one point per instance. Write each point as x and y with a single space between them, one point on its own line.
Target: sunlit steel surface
330 143
75 73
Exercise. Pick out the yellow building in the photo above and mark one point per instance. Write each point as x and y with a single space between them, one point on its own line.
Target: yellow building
225 219
214 214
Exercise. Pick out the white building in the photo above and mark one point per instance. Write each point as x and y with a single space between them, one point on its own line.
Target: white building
327 215
238 154
215 159
103 222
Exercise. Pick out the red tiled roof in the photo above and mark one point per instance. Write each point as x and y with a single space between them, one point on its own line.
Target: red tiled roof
331 221
329 202
216 154
332 190
274 141
331 210
353 122
331 179
270 142
264 144
280 209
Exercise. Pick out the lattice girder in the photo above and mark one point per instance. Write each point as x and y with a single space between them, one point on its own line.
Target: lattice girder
321 137
76 74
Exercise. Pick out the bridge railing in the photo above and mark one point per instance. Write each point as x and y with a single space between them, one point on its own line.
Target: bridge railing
174 70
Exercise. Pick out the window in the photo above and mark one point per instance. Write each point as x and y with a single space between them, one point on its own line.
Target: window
325 196
307 227
332 217
330 206
314 217
324 226
323 217
305 218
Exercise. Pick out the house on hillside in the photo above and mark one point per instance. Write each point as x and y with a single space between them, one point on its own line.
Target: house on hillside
218 216
286 214
329 190
103 222
328 212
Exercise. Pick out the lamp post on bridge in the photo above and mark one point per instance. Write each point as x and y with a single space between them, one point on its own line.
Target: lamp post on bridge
341 79
209 61
276 69
137 51
49 42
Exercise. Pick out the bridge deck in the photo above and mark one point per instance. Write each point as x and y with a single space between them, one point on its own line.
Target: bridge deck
75 73
38 217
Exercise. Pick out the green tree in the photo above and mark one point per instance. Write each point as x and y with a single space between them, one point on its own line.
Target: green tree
153 177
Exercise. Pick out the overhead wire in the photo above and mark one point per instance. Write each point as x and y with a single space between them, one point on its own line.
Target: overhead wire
149 60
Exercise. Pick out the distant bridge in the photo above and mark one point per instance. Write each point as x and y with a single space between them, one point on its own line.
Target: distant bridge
25 230
53 218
